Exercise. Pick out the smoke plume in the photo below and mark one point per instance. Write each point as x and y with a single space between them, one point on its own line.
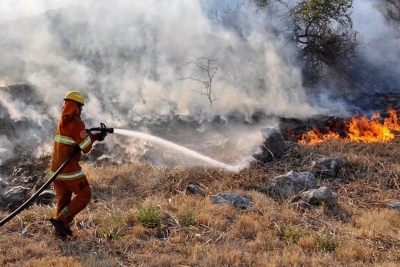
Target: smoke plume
132 61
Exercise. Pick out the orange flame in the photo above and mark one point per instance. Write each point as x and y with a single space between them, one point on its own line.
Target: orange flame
392 122
359 129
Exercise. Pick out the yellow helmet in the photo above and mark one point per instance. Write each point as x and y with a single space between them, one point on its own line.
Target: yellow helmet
75 96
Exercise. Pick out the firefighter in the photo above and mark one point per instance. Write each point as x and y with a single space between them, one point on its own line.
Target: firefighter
71 132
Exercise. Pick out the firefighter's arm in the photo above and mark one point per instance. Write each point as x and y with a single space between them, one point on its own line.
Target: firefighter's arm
85 141
82 138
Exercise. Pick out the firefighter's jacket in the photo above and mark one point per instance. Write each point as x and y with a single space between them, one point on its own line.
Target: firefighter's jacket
71 132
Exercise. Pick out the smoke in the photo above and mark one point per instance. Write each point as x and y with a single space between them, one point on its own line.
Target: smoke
381 41
134 53
379 51
129 57
5 149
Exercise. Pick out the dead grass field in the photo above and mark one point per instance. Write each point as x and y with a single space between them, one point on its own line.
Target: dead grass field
141 216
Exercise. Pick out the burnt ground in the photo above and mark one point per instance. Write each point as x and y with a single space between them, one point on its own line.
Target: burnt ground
26 171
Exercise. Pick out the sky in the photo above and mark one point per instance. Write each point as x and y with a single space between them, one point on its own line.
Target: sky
136 60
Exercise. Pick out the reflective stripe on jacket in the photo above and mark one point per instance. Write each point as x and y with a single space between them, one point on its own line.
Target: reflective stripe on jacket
71 131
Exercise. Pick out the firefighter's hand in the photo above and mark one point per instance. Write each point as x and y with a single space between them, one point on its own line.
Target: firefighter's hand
102 135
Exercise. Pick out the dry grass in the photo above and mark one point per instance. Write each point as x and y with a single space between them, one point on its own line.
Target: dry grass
141 216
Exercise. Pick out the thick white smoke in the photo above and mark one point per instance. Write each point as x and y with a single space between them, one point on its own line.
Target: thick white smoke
133 52
129 58
380 41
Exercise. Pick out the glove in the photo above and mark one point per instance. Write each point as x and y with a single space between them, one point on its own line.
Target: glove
102 135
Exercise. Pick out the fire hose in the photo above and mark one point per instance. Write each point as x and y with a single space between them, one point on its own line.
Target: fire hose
77 149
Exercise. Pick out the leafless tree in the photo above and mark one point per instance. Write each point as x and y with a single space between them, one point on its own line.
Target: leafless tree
205 65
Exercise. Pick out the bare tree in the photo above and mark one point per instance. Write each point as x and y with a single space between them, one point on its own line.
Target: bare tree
204 64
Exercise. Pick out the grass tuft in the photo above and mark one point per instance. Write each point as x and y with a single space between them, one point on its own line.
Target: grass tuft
327 243
150 216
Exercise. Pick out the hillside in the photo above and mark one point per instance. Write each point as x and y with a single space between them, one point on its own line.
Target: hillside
142 215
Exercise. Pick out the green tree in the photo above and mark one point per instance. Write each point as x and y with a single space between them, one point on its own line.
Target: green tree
323 32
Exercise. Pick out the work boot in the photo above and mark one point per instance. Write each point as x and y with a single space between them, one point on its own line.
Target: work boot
60 227
57 234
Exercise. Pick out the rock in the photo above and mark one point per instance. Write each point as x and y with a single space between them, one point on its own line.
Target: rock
195 190
291 183
14 197
394 205
317 197
273 146
232 199
46 197
328 166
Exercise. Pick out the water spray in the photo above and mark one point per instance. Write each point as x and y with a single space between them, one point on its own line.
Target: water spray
169 144
179 148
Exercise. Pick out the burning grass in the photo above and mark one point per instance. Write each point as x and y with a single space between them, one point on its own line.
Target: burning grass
357 129
141 216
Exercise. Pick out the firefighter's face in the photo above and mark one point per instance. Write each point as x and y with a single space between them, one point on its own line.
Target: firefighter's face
78 110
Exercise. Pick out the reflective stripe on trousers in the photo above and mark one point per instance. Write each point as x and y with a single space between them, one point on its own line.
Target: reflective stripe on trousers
69 176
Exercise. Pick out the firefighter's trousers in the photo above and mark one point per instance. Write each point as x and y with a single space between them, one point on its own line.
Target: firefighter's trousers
68 205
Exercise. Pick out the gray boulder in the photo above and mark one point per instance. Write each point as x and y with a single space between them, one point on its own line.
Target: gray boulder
317 197
232 199
194 190
394 205
291 183
15 197
328 167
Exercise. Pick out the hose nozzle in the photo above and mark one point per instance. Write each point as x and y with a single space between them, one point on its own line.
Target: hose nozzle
102 128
